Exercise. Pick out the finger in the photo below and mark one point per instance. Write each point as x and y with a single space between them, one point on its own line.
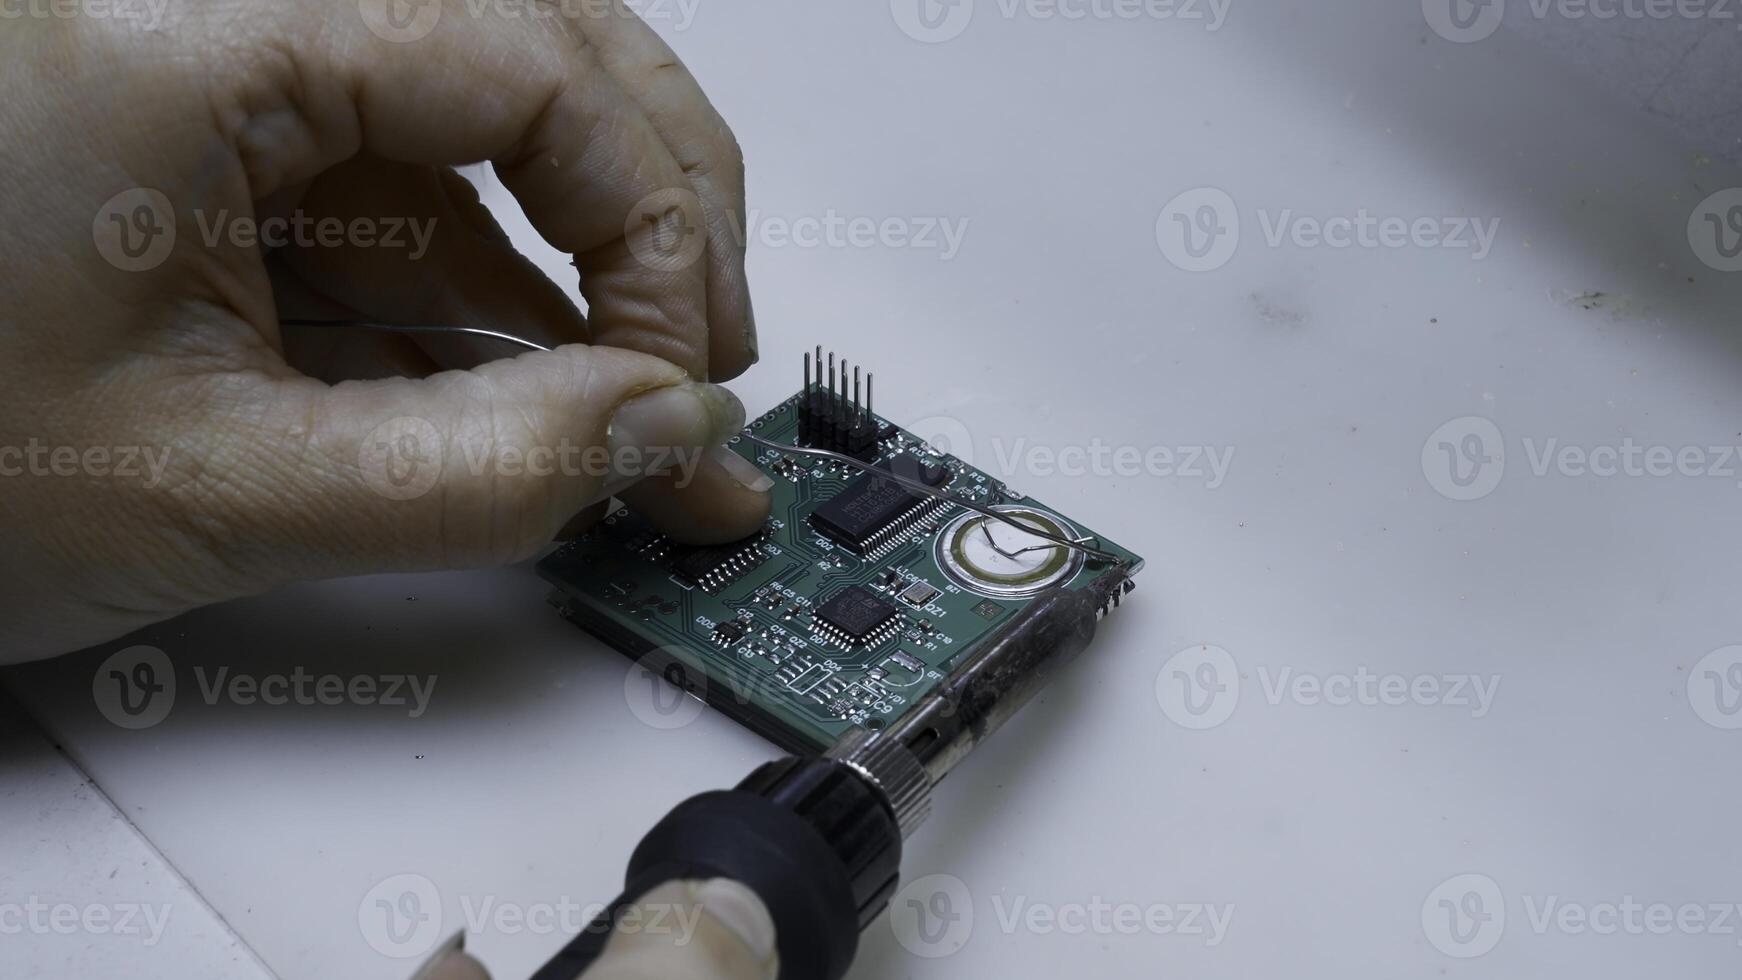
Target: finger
709 153
294 479
724 499
425 251
529 94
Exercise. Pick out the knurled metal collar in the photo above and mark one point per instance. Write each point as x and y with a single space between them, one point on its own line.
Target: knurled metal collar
893 769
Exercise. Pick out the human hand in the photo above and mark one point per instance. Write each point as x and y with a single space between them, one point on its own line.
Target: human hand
166 442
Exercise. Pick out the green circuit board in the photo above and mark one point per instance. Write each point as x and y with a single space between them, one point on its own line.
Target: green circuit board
842 611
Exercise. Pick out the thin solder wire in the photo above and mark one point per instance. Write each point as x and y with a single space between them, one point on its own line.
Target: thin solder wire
841 458
416 328
991 542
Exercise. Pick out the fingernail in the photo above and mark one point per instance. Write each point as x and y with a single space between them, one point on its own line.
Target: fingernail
663 427
739 909
751 343
686 416
743 472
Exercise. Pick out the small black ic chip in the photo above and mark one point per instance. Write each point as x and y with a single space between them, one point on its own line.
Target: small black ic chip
694 565
714 566
855 614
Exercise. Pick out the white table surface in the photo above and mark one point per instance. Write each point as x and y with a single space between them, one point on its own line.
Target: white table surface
1598 775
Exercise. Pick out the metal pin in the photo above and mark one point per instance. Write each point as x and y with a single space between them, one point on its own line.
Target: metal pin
870 395
807 372
855 396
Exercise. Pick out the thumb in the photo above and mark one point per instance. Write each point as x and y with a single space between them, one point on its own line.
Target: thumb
460 469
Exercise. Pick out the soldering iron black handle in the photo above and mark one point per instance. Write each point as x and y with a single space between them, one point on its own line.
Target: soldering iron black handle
812 838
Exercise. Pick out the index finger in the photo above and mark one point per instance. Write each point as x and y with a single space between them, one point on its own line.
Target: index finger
455 83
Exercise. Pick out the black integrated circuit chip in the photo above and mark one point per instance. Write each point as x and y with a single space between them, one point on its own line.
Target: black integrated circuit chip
714 566
855 614
854 517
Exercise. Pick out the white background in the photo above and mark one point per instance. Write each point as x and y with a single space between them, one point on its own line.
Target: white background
1326 551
